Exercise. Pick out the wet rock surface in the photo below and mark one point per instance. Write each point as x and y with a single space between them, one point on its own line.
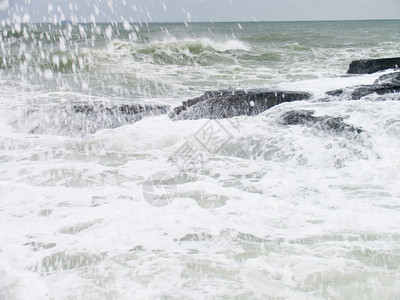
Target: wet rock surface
325 123
369 66
231 103
386 84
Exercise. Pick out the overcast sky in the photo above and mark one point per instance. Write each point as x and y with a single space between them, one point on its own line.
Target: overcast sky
196 10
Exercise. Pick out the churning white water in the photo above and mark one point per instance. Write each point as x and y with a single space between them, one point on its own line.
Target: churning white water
249 208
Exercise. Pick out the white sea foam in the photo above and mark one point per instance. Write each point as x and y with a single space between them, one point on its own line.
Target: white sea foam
261 209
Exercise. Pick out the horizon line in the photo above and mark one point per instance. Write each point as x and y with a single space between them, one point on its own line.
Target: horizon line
199 22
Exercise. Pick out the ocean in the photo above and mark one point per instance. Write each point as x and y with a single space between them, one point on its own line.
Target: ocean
240 208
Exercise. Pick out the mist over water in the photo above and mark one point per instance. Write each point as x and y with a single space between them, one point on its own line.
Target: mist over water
260 210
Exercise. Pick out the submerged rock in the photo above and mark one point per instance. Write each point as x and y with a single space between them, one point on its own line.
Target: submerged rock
386 84
123 109
389 79
81 119
369 66
231 103
326 123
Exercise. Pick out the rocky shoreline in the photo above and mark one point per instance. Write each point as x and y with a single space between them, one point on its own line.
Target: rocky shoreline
231 103
84 118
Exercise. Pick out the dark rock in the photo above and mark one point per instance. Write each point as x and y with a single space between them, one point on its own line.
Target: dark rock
335 93
363 91
386 84
326 123
122 110
82 119
390 79
369 66
127 112
231 103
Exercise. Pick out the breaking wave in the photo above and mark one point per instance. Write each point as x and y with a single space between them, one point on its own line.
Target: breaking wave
177 52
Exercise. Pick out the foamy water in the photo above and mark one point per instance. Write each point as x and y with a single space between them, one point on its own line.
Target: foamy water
257 209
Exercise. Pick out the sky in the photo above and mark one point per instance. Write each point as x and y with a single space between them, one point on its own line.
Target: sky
195 10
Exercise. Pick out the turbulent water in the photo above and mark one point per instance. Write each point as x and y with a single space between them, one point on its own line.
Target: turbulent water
257 209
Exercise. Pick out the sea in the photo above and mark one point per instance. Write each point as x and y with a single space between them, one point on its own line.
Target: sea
240 208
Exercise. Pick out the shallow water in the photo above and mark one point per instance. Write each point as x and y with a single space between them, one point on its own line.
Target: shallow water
256 209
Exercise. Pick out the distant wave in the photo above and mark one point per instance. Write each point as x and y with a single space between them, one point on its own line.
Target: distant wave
203 51
188 51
